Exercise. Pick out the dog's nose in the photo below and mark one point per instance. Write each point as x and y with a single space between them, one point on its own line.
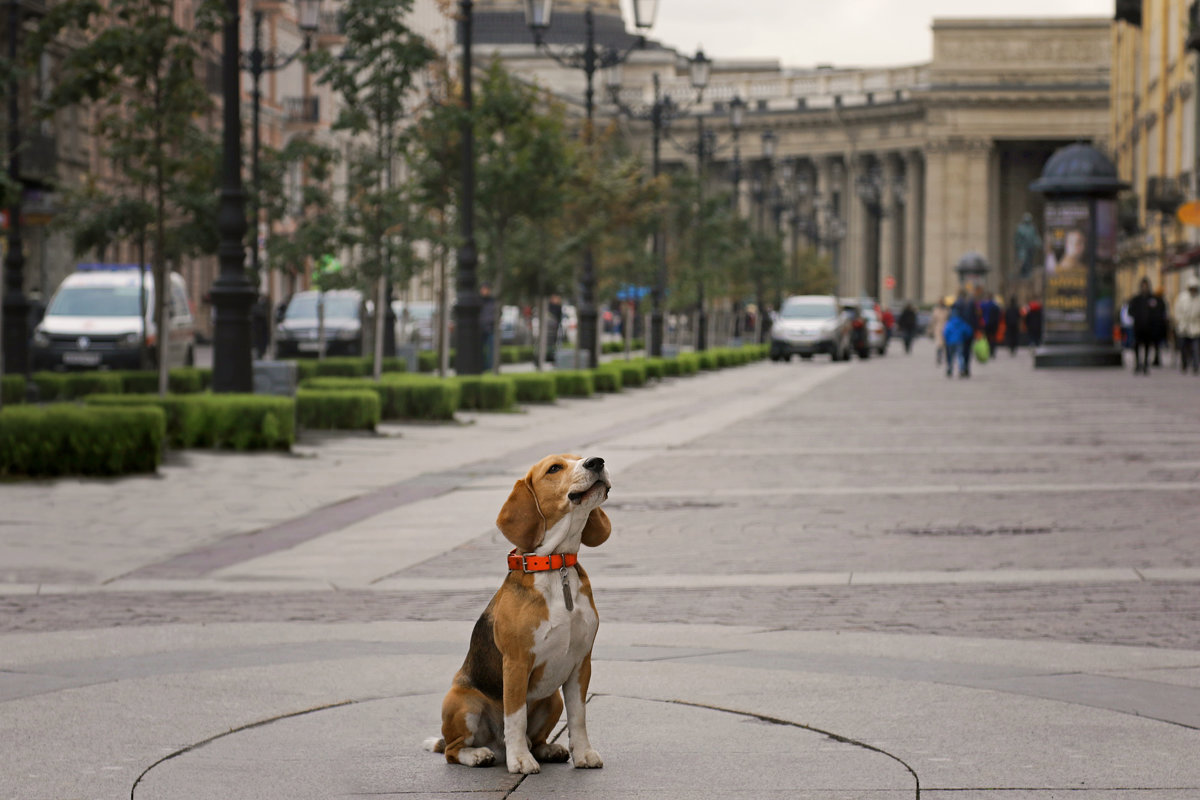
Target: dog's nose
594 464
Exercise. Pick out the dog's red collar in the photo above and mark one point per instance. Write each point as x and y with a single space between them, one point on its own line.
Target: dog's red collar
528 562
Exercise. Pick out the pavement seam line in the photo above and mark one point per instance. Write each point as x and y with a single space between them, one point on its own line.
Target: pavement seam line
249 726
837 737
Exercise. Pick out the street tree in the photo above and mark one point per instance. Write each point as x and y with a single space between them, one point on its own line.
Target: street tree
375 78
136 67
523 162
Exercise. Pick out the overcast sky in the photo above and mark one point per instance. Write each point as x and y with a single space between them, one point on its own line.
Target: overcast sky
802 33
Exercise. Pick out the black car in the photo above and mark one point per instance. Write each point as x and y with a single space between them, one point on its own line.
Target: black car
299 333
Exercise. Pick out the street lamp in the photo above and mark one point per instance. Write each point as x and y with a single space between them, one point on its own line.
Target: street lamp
231 293
14 330
589 58
256 62
737 117
468 339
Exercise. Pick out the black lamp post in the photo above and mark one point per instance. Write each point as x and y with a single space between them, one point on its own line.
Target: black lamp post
232 293
15 332
660 113
588 58
468 339
256 62
737 116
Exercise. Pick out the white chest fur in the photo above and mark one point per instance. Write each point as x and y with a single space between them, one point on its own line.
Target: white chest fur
561 642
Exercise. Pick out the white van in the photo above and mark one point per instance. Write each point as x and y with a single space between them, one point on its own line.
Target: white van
96 317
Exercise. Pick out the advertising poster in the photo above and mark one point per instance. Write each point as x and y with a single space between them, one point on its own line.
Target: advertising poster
1105 286
1068 225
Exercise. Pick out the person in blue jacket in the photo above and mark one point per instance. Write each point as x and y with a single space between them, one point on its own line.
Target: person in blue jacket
960 334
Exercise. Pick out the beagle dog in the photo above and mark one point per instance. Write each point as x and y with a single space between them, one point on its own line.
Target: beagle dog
536 634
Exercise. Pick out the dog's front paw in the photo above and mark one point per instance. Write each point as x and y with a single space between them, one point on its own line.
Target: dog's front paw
551 753
588 759
523 764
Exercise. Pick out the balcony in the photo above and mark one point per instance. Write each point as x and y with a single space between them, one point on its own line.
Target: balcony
1164 195
302 110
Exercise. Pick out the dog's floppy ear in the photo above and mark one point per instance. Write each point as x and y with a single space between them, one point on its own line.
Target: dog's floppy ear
597 529
520 521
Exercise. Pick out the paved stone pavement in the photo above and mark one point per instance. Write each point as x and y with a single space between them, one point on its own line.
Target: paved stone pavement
910 585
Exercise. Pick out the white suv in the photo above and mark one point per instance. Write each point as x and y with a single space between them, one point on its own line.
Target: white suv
99 315
810 324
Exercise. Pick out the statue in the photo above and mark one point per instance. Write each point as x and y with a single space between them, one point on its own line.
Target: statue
1028 245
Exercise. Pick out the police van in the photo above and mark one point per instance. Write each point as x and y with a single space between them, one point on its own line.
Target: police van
99 315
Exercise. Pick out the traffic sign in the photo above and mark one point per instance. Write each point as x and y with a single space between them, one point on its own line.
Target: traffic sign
889 282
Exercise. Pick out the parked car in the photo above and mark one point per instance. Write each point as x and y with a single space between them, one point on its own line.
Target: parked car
515 328
877 333
297 334
97 317
810 324
416 323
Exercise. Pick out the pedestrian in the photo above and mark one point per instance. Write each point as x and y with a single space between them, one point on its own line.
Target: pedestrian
908 326
554 316
1012 325
937 323
1033 322
1187 325
989 312
1142 312
958 335
967 310
260 325
1159 326
487 324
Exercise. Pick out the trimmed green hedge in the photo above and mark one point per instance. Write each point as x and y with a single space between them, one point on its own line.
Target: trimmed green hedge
401 396
181 380
12 389
427 360
337 409
487 392
633 373
607 379
535 387
224 421
611 348
655 368
66 439
573 383
689 363
71 385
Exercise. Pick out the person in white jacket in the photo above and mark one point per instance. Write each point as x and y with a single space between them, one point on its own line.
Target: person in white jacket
1187 325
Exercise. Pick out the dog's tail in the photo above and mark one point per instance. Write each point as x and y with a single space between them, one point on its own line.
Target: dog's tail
435 744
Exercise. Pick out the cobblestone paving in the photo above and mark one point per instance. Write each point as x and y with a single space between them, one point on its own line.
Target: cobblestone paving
1147 614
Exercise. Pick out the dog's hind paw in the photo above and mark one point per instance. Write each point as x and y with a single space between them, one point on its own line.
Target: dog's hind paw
476 757
589 759
551 753
435 744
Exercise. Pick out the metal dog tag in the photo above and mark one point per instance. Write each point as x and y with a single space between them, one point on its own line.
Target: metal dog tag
566 589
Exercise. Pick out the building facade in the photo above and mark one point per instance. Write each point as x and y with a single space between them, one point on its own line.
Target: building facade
1154 137
896 172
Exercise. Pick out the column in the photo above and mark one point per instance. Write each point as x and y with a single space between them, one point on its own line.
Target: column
936 258
855 244
914 226
826 188
889 247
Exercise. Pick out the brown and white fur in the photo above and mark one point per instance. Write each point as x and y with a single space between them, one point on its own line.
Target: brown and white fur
504 701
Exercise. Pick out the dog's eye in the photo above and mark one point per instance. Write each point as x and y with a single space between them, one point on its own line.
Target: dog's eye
554 468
